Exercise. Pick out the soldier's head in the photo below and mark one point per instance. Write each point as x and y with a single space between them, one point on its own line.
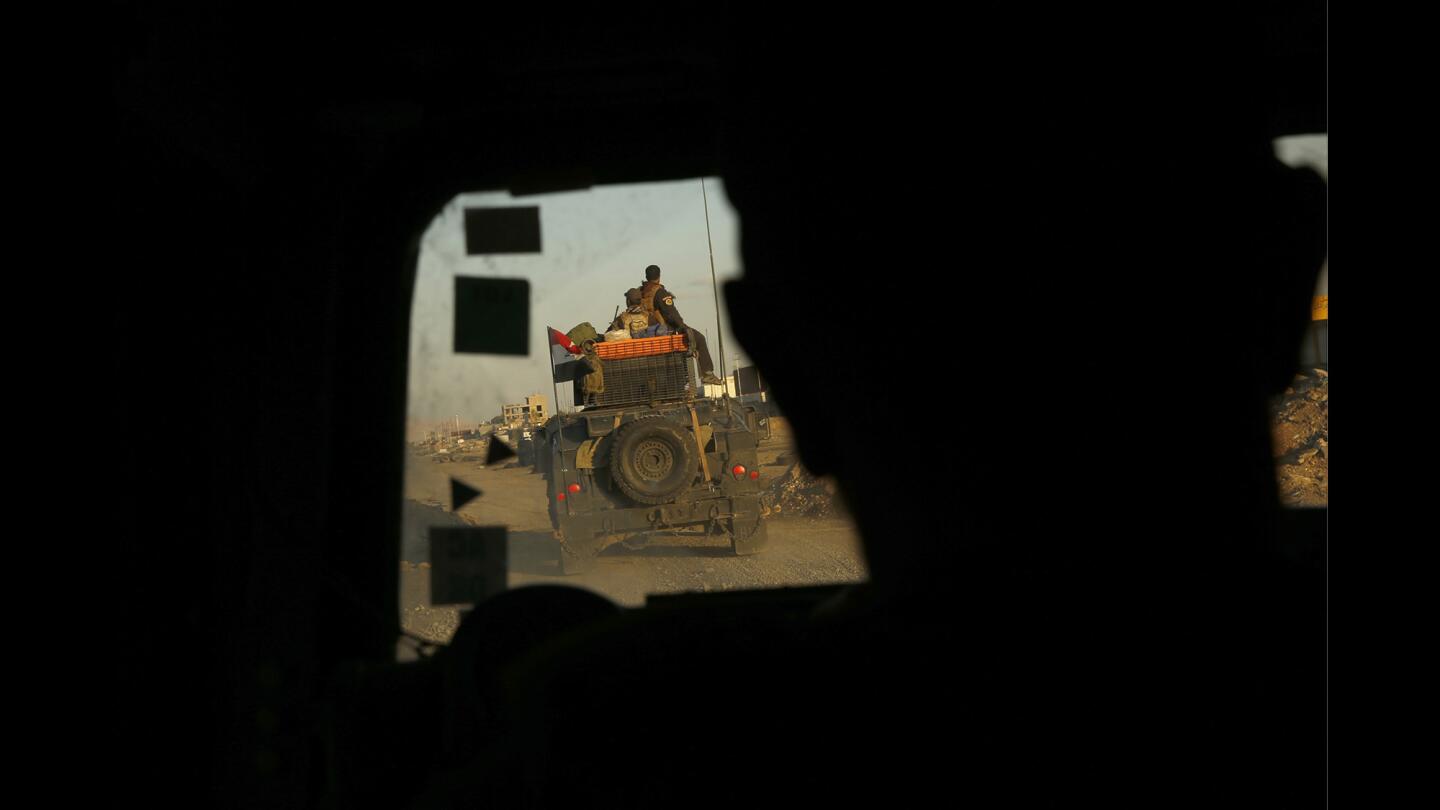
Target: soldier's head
652 273
632 297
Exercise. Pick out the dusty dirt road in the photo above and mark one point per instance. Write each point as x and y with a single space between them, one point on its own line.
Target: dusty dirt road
801 552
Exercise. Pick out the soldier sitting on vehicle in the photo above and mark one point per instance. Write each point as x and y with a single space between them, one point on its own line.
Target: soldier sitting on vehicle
659 304
634 319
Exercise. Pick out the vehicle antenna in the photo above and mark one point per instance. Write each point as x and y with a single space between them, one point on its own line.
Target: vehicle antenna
715 289
553 384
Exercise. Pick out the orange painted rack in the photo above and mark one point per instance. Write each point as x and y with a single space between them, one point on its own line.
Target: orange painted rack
640 347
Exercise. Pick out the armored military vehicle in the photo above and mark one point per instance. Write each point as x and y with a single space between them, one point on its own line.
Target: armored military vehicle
649 453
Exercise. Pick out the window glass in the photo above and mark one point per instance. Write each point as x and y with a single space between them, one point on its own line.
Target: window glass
675 499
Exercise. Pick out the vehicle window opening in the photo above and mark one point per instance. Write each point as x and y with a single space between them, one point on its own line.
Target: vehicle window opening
1300 416
644 463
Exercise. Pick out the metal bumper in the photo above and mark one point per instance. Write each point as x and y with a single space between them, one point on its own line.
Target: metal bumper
658 518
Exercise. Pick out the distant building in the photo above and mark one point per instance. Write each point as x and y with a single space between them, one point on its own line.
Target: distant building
744 383
720 391
534 411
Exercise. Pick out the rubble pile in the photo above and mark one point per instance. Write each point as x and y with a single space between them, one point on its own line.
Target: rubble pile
433 623
1301 430
798 493
445 451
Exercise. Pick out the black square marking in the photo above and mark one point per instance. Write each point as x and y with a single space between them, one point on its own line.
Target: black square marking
492 315
502 230
467 565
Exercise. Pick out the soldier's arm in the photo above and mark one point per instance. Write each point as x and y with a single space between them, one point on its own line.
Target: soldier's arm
665 302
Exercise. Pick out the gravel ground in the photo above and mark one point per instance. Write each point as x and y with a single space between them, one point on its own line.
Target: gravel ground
1301 430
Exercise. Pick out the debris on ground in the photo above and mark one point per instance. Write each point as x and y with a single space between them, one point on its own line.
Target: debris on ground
798 493
459 459
454 449
433 623
1301 430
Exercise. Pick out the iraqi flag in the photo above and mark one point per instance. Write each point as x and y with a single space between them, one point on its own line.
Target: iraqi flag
562 348
558 338
565 357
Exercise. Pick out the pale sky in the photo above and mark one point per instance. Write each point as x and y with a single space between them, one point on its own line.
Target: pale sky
596 244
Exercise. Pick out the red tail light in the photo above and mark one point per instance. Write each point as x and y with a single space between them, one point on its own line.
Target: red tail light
574 487
754 473
560 496
739 469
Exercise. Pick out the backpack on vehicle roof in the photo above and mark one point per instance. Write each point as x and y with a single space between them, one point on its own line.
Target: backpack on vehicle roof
582 333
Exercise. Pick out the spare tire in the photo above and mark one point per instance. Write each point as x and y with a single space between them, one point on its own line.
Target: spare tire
653 459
